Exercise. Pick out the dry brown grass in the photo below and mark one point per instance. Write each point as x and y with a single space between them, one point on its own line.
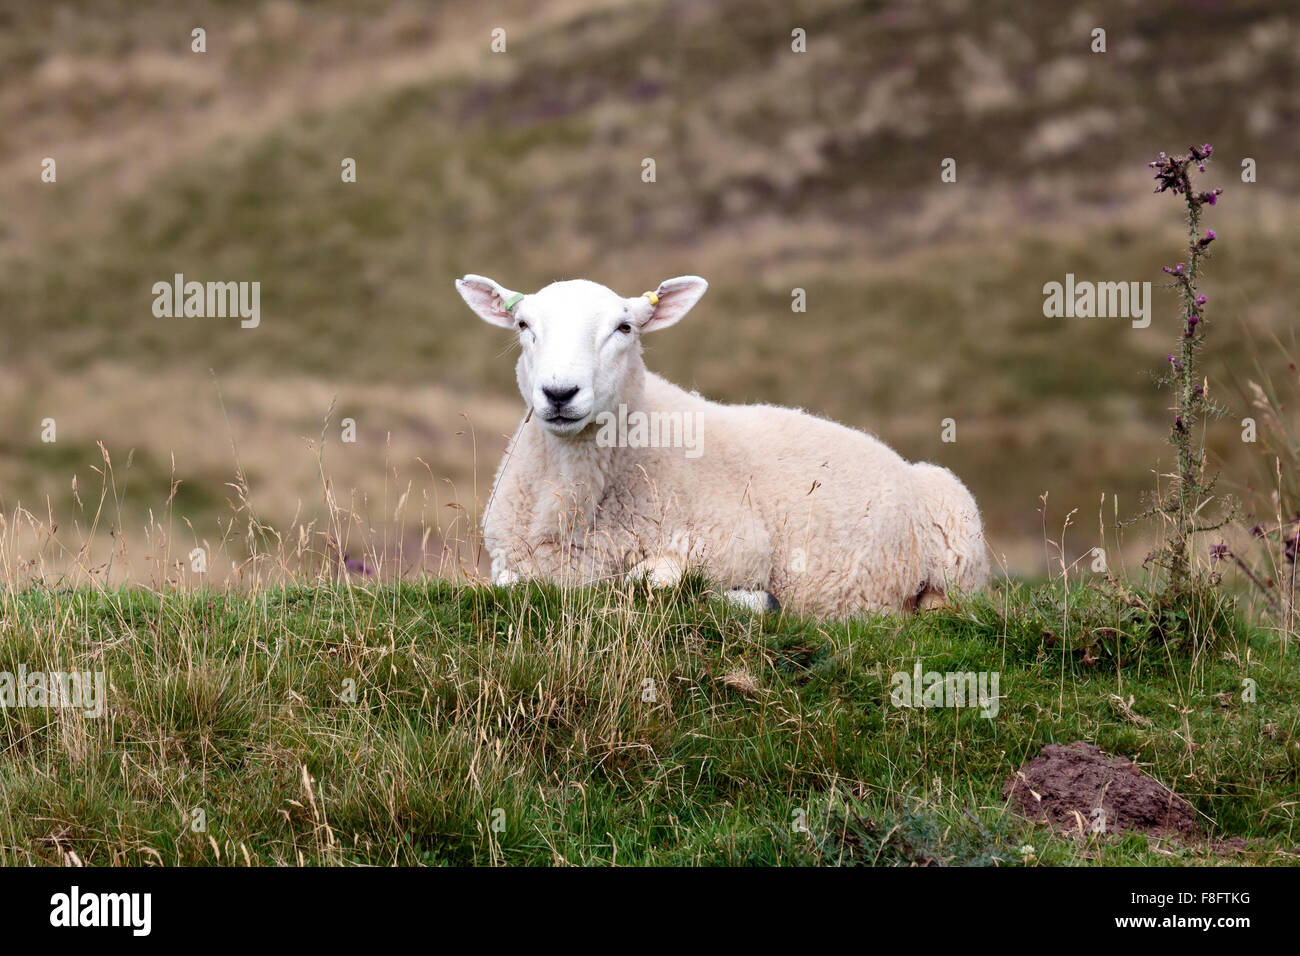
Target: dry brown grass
412 486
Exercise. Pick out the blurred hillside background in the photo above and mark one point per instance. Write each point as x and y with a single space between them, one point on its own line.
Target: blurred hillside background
775 170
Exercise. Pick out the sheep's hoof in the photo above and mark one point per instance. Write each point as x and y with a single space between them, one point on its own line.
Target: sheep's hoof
760 602
931 600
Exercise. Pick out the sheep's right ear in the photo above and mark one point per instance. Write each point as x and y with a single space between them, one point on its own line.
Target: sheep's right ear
492 301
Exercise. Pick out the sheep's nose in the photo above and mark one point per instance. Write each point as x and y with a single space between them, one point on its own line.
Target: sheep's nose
559 396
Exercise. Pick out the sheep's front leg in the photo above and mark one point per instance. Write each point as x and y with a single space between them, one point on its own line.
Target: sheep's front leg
502 575
664 571
758 601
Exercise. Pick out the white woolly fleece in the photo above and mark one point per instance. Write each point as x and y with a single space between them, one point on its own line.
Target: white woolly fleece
829 520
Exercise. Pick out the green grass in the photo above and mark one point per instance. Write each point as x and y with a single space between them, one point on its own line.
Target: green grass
529 706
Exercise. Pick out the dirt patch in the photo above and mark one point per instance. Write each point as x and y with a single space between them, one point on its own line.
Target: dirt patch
1065 785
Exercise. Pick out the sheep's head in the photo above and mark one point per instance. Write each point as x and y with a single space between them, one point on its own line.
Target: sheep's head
580 343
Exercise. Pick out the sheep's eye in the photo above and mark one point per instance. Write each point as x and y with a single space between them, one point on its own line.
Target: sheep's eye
522 326
625 327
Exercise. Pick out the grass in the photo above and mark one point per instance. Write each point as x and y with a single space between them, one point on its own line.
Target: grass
615 726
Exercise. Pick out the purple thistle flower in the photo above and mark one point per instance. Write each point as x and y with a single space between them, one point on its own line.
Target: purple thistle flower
1170 173
1200 300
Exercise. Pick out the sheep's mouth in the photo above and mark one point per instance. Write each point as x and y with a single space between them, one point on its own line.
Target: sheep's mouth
565 423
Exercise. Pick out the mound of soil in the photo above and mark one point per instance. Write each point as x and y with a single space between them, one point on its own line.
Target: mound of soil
1065 780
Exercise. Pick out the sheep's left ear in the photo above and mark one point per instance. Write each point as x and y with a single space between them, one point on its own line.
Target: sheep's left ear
490 299
668 303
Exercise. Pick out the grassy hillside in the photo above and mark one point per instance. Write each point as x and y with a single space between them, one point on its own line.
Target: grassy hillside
433 724
775 170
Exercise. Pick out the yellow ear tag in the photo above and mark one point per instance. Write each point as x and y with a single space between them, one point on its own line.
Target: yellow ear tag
654 299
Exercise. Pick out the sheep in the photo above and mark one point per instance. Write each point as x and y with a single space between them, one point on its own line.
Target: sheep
614 471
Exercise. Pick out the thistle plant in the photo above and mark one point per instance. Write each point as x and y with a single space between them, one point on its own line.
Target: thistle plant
1191 490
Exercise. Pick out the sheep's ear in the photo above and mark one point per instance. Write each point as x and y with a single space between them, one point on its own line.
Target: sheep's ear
668 303
492 301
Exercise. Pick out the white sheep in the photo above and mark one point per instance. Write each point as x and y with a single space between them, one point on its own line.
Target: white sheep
616 471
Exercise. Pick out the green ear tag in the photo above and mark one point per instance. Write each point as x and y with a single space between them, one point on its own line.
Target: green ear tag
513 301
